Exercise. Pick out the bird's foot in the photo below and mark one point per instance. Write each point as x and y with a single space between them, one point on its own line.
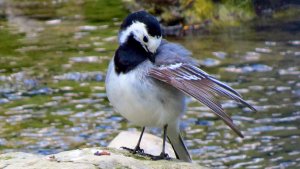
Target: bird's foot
136 150
162 156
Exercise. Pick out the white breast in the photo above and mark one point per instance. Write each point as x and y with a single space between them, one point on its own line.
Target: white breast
141 99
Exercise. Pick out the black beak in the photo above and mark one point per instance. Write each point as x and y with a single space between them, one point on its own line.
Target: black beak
151 55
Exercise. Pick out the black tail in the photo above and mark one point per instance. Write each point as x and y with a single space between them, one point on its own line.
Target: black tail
178 144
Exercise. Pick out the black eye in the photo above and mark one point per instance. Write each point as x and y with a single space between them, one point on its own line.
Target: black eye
145 39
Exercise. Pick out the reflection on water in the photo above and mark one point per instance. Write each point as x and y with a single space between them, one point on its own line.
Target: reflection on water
53 99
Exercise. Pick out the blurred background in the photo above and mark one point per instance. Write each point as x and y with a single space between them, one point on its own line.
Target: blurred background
54 55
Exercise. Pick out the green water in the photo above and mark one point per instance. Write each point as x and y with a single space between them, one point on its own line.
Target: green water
53 59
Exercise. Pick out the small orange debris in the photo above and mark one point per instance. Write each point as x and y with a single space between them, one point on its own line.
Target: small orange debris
102 153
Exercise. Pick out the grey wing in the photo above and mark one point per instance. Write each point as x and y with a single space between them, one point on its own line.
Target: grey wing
198 84
170 53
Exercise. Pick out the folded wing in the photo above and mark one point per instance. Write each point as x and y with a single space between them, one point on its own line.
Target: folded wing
198 84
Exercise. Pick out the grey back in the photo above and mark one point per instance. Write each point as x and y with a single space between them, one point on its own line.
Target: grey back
171 53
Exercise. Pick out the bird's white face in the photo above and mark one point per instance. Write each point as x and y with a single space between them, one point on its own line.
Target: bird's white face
140 33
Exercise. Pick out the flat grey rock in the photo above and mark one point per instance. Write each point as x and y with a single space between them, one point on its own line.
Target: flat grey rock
85 159
106 157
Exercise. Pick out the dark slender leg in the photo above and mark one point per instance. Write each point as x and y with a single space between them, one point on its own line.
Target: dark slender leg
137 148
163 155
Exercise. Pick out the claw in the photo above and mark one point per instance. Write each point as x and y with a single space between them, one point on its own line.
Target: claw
162 156
136 150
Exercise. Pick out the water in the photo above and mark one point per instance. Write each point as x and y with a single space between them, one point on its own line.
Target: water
266 64
52 95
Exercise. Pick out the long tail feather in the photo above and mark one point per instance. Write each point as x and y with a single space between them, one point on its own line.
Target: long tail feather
178 144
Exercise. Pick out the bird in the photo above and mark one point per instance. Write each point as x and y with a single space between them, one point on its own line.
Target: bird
149 78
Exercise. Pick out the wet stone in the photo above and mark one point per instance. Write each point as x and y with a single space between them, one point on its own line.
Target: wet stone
87 28
65 88
294 42
98 88
51 104
99 95
54 22
220 54
3 100
263 50
98 43
271 43
62 112
80 76
110 39
103 26
41 91
256 88
229 104
205 123
297 103
295 92
252 56
289 71
80 106
86 59
209 62
100 49
79 35
283 88
249 69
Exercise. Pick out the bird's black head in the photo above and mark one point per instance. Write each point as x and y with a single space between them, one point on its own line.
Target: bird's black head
143 28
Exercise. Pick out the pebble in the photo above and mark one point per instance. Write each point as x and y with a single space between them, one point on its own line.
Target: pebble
86 59
209 62
270 43
3 100
263 50
294 42
110 39
53 22
98 43
256 88
283 88
220 54
100 49
80 76
88 28
252 56
249 69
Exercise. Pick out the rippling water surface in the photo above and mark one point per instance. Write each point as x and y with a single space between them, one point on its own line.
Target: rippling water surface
52 95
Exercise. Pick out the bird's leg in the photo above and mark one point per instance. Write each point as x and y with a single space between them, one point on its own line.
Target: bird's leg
137 148
163 155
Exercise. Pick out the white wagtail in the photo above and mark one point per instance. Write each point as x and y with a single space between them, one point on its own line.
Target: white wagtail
148 77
